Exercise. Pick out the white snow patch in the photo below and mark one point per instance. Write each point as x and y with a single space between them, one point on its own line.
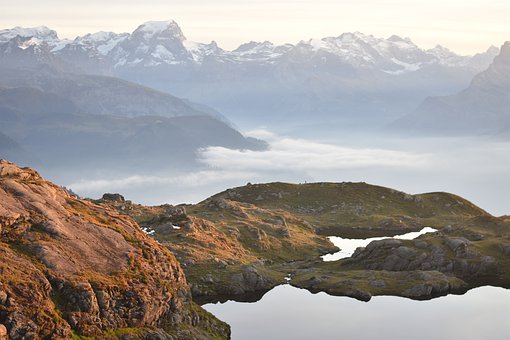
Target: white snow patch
161 53
405 67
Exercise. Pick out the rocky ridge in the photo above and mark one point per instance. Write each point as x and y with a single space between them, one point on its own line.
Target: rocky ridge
157 43
352 78
242 242
72 268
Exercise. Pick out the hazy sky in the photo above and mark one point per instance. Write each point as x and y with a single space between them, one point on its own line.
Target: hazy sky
465 26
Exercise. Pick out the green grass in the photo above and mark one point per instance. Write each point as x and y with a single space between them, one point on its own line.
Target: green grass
333 207
76 336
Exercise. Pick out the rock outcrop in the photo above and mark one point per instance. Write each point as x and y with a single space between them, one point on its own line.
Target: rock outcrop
455 259
72 267
229 249
244 241
453 255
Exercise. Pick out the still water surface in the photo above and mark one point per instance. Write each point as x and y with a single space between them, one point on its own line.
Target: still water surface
291 313
287 312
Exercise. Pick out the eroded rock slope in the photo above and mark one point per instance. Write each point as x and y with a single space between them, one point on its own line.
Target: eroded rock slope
69 267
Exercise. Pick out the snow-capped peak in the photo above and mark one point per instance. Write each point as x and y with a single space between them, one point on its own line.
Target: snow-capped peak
159 30
156 43
40 33
349 37
396 38
253 45
102 41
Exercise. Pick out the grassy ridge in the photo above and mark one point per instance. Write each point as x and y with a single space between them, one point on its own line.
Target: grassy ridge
357 209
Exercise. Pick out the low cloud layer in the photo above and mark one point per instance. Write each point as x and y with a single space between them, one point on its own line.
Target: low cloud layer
287 159
473 168
302 155
194 179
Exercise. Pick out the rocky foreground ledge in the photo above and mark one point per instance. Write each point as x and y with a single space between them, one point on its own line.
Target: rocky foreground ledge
70 268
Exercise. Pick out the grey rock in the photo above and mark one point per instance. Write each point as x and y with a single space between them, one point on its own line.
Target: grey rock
387 243
419 290
378 283
420 244
505 249
405 252
113 197
454 243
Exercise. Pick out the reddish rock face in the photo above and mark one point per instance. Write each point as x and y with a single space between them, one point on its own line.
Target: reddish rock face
67 264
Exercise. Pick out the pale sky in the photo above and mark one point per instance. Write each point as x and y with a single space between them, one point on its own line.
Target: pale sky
465 26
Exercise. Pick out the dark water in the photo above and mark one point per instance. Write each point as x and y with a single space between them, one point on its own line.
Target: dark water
291 313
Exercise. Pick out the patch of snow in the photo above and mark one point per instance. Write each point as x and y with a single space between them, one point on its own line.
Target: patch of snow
317 44
405 67
120 62
141 49
30 42
134 62
151 29
59 45
161 53
148 231
42 33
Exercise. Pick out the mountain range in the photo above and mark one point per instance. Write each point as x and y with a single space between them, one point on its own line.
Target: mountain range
59 119
162 43
482 108
91 122
351 78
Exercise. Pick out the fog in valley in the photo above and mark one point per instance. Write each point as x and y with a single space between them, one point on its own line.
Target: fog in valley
474 168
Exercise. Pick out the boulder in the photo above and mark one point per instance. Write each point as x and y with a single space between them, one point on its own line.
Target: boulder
118 198
454 243
3 332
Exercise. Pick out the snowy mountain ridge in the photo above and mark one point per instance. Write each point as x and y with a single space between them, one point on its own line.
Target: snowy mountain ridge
157 43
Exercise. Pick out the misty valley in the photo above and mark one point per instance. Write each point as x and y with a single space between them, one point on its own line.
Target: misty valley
154 187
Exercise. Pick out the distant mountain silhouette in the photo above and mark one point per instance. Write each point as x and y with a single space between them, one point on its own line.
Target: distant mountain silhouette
351 78
482 108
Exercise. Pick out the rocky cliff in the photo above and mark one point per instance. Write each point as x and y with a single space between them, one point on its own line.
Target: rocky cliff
72 268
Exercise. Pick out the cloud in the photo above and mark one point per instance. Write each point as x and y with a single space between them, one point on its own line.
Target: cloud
284 155
302 155
194 179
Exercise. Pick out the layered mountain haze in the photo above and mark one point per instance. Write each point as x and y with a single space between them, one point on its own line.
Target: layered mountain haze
350 79
481 108
81 121
100 95
60 133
